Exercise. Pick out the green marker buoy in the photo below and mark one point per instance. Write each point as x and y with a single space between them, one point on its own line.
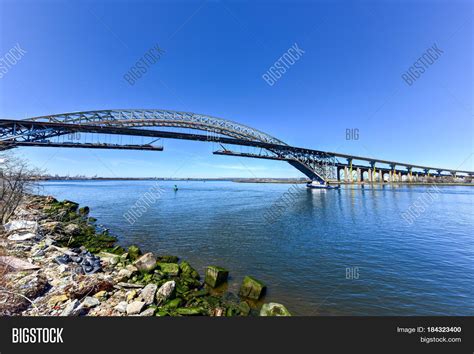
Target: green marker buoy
175 188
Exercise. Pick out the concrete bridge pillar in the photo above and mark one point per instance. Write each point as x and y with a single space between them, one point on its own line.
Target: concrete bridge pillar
409 174
393 173
372 172
359 175
346 174
351 178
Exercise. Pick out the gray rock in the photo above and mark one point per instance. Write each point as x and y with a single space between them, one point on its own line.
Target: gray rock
121 307
17 264
72 229
146 263
51 227
48 241
135 307
124 274
129 285
165 291
148 312
62 268
24 225
73 308
148 293
22 237
90 302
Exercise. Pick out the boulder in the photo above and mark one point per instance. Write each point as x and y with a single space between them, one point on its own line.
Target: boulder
165 292
244 308
70 205
73 308
252 288
189 311
86 285
148 293
131 294
101 295
17 264
189 271
146 263
169 269
90 302
51 227
110 258
134 252
72 229
168 259
57 299
124 274
173 304
23 225
274 309
215 276
135 307
22 237
148 312
84 211
121 306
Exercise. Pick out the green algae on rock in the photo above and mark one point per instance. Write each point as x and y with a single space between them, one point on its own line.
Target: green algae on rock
252 288
216 276
274 309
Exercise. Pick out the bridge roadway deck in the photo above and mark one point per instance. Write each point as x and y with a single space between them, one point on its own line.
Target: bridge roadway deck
7 125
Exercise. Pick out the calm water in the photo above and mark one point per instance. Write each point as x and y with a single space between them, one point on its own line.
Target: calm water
426 268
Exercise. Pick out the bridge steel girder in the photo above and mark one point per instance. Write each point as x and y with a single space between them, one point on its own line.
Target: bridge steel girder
316 164
161 118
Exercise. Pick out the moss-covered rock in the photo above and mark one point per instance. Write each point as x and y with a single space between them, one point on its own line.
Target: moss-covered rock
189 271
215 276
189 311
244 308
169 269
70 205
168 259
134 252
173 304
252 288
274 309
84 211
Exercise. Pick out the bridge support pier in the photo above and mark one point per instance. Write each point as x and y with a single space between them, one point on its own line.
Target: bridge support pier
359 175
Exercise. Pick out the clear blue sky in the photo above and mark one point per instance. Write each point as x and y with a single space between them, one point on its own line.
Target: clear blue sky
215 55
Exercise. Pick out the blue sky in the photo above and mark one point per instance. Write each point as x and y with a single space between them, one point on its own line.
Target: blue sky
215 55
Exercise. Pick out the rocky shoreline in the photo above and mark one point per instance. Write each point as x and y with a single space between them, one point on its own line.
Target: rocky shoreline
55 261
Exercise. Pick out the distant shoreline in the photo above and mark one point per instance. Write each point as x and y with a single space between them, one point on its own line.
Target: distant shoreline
239 180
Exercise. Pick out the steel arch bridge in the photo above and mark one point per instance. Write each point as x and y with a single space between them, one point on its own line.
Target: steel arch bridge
32 131
318 165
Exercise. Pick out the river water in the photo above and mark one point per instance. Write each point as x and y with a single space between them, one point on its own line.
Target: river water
336 252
